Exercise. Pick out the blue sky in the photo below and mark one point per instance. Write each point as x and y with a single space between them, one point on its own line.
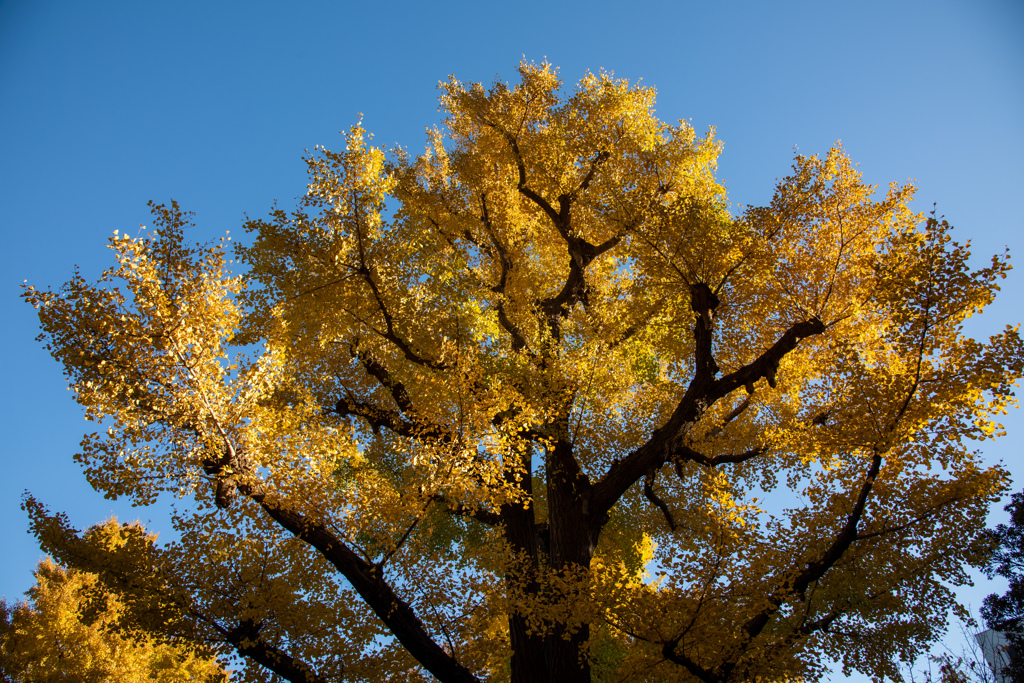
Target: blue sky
106 105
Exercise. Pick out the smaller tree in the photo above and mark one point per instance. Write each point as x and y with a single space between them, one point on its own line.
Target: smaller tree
1004 612
69 630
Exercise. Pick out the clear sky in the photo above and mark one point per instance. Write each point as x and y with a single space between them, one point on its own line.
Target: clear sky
106 105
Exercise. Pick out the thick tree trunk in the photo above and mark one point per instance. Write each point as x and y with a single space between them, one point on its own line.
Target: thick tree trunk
574 535
565 664
529 663
528 660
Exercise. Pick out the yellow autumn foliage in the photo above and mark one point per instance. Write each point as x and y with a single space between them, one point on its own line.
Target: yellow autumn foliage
538 404
69 630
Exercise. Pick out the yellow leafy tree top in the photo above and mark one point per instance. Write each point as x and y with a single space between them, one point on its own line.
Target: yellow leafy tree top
537 405
70 630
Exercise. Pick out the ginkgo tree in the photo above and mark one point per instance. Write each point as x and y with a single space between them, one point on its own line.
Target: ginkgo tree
538 405
69 630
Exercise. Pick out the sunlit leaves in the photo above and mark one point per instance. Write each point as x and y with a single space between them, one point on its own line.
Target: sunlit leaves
413 399
71 630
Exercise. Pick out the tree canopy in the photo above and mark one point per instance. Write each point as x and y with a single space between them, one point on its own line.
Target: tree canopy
70 630
539 405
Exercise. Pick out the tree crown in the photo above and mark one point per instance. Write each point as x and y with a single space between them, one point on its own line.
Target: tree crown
537 404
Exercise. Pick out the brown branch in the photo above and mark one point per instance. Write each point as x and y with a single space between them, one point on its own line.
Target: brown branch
469 237
816 569
524 190
377 370
484 516
914 521
733 414
767 364
563 458
803 630
920 354
365 578
379 564
307 292
807 628
668 651
812 572
518 339
698 397
702 392
378 417
599 159
503 258
391 334
593 251
636 327
650 495
688 454
245 638
703 302
581 252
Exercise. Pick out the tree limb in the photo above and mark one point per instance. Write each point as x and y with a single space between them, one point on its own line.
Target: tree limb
650 495
245 638
688 454
733 414
505 262
668 651
377 370
817 568
378 417
484 516
365 578
391 334
701 393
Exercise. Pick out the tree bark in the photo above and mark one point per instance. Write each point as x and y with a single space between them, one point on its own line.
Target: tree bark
528 661
574 533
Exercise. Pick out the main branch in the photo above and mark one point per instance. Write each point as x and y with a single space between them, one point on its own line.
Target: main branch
703 391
